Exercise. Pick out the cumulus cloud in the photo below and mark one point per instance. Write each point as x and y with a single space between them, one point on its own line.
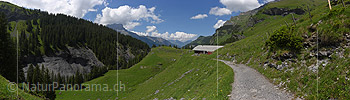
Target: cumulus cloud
140 33
266 1
181 36
236 6
240 5
199 16
128 16
92 10
150 29
219 24
77 8
153 32
219 11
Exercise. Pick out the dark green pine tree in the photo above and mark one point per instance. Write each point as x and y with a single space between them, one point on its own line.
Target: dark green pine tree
9 27
48 79
30 73
42 74
53 77
21 77
7 52
29 25
36 75
35 21
59 78
78 78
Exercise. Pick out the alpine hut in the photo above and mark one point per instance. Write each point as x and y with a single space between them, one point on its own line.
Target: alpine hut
205 49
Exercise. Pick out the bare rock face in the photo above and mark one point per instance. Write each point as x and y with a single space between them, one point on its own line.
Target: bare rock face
283 11
68 62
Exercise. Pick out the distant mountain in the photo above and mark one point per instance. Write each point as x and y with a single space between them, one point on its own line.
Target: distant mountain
147 39
179 43
202 40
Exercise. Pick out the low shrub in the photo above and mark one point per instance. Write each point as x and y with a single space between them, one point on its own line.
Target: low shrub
285 39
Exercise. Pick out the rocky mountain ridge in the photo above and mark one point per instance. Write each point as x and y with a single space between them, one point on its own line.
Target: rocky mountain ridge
147 39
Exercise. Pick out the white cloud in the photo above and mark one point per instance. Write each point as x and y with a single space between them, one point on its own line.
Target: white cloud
92 10
140 33
219 24
219 11
181 36
153 32
240 5
199 16
131 25
128 16
266 1
236 6
77 8
150 29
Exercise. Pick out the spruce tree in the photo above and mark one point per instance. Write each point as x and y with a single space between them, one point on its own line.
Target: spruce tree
59 79
7 52
30 73
36 75
47 77
77 77
29 25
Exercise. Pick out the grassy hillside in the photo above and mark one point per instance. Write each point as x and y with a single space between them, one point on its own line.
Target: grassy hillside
164 73
300 75
15 12
202 40
5 94
234 26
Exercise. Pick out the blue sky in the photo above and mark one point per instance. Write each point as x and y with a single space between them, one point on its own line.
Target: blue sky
176 15
169 19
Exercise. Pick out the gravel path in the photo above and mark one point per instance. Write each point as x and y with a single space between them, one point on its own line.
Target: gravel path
251 85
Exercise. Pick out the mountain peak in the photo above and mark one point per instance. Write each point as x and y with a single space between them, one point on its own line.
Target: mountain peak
116 26
147 39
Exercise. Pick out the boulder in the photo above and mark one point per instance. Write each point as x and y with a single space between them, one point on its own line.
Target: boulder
284 56
313 68
324 54
282 66
271 65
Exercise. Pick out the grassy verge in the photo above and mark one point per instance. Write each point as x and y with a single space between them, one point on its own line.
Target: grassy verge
5 94
332 80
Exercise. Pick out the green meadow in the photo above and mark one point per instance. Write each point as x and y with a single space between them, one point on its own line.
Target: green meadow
164 73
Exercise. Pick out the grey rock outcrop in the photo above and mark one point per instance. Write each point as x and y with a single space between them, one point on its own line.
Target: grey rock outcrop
283 11
67 62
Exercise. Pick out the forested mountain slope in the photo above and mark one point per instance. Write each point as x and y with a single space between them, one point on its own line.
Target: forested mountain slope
64 46
48 34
